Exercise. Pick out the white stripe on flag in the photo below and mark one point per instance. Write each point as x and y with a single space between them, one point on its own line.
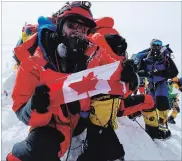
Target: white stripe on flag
103 73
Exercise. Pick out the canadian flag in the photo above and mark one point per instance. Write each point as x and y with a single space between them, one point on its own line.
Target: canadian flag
65 88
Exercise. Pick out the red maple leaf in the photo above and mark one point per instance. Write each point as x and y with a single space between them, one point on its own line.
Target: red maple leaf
88 83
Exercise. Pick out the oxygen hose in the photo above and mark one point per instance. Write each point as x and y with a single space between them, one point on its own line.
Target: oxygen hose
138 124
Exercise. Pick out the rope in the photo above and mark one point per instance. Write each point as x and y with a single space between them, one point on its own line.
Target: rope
77 147
139 124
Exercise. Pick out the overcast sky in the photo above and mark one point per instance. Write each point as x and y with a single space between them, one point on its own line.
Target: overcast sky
138 22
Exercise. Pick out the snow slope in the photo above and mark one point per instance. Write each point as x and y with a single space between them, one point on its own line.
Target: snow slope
137 144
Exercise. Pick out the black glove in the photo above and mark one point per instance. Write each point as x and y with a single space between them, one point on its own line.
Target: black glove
128 70
40 100
117 43
73 107
129 64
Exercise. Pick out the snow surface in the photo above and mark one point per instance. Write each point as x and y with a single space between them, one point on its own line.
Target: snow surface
137 144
